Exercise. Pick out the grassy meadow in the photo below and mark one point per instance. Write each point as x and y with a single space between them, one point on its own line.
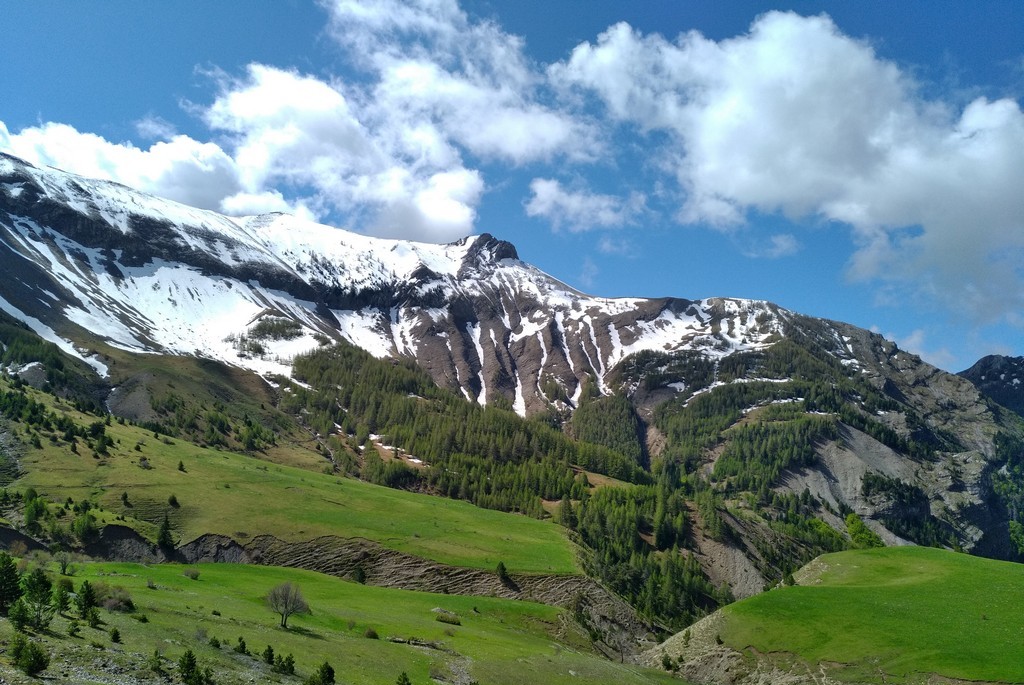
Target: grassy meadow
497 642
893 613
242 496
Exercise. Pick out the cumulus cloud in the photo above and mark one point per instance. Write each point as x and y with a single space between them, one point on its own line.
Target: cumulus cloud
180 168
154 127
250 204
795 117
467 80
581 210
383 152
312 136
792 118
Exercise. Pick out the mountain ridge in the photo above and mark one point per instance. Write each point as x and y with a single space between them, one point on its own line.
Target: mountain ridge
757 421
383 295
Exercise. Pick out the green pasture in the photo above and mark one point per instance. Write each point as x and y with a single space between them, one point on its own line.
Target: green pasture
243 496
497 641
898 612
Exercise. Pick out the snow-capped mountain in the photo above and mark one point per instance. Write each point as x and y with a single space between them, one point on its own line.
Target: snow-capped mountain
94 261
97 267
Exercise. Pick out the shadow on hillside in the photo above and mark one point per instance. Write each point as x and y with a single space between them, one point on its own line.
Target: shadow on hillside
305 632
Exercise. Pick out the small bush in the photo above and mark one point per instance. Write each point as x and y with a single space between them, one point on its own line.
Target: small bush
448 617
371 634
324 675
115 598
19 615
115 635
191 573
214 642
28 656
155 662
284 664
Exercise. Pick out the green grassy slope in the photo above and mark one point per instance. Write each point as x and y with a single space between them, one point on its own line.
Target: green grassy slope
498 641
898 611
242 496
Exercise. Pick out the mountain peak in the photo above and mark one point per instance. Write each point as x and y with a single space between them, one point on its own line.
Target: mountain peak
1001 378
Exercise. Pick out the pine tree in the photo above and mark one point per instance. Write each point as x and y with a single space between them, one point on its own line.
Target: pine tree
566 514
38 598
164 540
85 600
10 583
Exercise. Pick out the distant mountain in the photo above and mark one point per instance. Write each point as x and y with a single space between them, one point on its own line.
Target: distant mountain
757 420
1001 378
96 260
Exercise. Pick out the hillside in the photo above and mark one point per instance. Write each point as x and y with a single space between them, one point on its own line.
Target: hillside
367 634
410 414
905 614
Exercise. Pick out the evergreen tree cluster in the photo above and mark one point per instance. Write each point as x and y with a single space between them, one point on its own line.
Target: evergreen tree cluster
756 454
73 378
908 511
612 422
637 535
1008 484
486 455
209 425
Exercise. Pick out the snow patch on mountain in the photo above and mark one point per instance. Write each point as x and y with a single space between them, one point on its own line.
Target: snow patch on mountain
48 334
206 279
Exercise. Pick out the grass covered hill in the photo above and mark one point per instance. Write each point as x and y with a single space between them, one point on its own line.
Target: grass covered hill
368 635
898 614
130 475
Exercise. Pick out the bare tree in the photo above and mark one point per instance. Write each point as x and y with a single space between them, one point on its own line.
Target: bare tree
286 599
65 560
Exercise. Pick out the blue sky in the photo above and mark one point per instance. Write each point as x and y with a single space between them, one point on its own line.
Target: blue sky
855 161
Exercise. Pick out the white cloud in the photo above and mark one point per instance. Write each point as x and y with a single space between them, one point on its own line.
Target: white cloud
153 127
775 247
181 168
617 246
467 79
795 117
589 272
916 342
250 204
581 210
